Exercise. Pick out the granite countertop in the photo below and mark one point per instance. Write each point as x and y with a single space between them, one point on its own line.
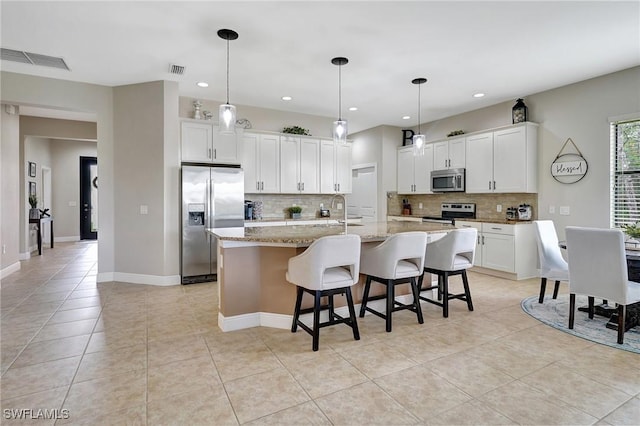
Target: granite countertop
504 221
306 234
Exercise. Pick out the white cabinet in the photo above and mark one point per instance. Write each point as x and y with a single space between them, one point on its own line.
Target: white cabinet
414 172
299 165
202 143
261 163
335 167
504 160
449 154
508 249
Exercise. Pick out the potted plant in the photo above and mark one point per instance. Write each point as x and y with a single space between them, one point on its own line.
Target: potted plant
34 213
296 130
633 231
295 212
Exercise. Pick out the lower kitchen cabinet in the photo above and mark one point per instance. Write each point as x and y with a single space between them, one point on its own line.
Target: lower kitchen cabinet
505 250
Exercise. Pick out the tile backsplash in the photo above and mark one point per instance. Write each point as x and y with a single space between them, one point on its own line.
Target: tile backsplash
485 203
275 206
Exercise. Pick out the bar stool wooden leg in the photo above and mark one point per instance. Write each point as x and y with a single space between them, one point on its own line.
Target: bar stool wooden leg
352 314
316 320
390 304
465 283
365 297
296 312
445 294
416 300
555 289
543 287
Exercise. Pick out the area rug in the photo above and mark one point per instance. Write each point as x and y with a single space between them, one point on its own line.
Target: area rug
556 314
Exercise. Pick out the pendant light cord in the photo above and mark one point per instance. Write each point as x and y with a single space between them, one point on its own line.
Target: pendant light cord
340 93
419 109
227 71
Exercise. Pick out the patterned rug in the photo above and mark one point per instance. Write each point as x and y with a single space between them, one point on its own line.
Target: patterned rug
556 314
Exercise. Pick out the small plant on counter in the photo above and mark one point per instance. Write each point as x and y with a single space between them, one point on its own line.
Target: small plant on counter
295 212
295 130
456 133
632 230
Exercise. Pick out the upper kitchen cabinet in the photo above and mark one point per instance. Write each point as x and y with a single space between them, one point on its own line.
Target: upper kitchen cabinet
449 154
414 171
335 167
299 165
202 143
504 160
261 163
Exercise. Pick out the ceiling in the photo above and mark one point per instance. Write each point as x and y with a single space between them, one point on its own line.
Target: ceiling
505 49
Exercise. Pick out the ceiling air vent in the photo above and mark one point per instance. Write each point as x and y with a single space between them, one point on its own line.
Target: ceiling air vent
176 69
34 59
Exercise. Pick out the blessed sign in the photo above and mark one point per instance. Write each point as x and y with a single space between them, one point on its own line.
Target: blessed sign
570 167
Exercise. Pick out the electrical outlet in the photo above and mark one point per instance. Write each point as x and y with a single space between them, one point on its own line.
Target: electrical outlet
419 205
565 211
144 209
499 208
339 206
4 249
73 204
552 209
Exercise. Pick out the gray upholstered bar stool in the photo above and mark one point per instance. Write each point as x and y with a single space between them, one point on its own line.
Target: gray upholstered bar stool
329 266
452 254
397 260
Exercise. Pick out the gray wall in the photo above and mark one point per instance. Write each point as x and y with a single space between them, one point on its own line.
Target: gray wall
9 189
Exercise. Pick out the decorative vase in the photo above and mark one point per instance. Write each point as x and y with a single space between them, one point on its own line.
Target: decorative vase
34 213
296 215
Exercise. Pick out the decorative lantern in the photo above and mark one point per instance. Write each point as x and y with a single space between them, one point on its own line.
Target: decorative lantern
519 112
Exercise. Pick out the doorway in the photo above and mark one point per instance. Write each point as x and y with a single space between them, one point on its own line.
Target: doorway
88 198
46 200
363 200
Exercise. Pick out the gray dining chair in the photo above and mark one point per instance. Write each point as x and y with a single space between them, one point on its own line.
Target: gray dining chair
552 264
598 268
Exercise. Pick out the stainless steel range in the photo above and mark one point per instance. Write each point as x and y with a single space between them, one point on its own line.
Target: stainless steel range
449 212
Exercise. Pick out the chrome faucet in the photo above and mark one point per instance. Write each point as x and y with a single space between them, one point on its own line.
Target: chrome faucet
344 205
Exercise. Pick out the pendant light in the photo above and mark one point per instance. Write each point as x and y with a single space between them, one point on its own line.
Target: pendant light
419 139
340 126
227 117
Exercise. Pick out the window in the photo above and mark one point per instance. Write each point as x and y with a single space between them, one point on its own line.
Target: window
625 172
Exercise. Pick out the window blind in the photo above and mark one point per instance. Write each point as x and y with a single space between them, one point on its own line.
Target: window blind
625 173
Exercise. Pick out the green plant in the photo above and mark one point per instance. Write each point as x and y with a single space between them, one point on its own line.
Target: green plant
33 201
295 130
455 133
632 230
295 209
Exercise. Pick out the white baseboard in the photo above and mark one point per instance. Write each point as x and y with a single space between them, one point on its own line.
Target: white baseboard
282 321
24 256
14 267
139 278
66 239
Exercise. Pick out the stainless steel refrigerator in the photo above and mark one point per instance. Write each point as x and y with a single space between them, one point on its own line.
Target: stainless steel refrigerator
212 197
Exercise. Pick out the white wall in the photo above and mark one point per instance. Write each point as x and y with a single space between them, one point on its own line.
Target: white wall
65 159
9 190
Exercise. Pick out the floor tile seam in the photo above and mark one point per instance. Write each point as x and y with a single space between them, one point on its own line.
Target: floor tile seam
224 387
614 409
578 372
437 373
26 395
407 410
484 404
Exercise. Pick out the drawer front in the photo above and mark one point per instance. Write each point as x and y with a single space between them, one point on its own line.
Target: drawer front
496 228
468 224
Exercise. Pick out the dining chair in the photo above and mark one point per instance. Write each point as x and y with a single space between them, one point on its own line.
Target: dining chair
397 260
329 266
451 255
598 268
552 264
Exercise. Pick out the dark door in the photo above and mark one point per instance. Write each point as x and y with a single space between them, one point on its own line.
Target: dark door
88 198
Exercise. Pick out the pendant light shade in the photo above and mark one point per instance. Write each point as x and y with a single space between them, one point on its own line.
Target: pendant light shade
227 112
419 139
340 126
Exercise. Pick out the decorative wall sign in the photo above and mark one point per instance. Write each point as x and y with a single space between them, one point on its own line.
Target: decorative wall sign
569 167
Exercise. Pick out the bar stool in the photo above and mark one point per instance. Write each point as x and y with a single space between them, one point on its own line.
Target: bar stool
397 260
329 266
452 254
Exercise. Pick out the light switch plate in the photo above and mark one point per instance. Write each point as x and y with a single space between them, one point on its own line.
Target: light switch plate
72 204
565 211
552 209
419 205
144 209
499 208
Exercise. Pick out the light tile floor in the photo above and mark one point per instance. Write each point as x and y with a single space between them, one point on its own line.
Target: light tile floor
117 353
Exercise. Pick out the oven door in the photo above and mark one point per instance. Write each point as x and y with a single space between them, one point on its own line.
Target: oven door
447 180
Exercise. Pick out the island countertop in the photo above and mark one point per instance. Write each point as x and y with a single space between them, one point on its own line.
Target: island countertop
303 235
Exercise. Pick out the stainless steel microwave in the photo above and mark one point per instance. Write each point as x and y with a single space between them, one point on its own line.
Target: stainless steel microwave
450 180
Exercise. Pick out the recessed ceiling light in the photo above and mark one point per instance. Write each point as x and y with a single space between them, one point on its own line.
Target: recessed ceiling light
202 84
353 108
286 98
478 95
406 117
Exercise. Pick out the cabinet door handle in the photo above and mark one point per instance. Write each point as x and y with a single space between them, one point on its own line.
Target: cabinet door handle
262 186
496 228
257 185
209 153
303 186
489 185
338 187
215 155
483 240
478 239
298 186
494 185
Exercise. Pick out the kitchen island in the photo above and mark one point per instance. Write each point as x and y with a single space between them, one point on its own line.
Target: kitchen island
252 263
